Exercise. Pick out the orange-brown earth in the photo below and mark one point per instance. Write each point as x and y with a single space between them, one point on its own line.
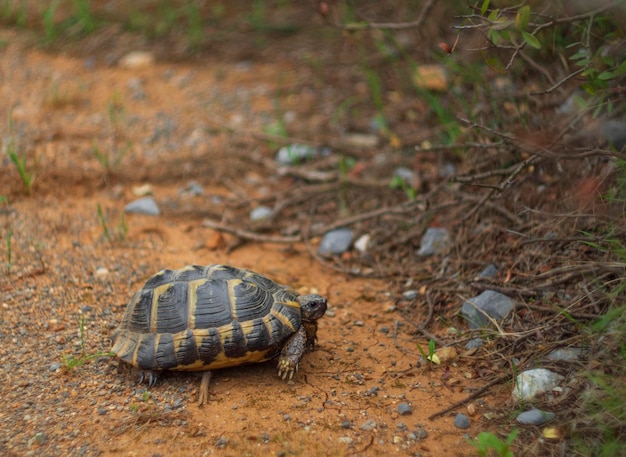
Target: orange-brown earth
64 283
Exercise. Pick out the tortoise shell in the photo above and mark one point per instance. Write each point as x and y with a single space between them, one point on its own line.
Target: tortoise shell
204 318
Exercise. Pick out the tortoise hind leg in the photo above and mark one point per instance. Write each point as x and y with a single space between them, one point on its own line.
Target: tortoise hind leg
204 388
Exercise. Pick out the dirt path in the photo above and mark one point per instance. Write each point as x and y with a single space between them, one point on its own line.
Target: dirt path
64 271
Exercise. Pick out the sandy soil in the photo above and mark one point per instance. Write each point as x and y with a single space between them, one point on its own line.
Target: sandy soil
61 274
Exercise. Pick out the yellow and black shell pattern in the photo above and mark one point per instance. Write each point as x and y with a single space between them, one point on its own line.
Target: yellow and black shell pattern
203 318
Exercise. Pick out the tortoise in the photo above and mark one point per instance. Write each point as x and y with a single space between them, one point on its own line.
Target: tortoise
202 318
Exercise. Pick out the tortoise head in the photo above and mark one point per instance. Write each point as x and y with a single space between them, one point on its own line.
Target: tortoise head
313 307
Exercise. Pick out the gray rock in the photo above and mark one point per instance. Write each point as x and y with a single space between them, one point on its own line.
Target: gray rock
436 240
420 434
489 271
145 205
406 174
369 425
565 355
345 440
534 417
295 154
447 170
461 421
534 382
335 242
260 213
614 133
474 343
193 189
404 409
409 294
494 304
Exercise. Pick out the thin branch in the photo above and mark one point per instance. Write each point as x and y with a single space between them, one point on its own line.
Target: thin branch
391 25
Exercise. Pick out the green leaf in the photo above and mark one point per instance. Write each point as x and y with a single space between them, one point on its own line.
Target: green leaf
531 40
396 183
606 75
484 7
522 17
494 36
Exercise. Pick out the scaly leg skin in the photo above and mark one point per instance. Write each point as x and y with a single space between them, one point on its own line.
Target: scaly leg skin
291 354
204 388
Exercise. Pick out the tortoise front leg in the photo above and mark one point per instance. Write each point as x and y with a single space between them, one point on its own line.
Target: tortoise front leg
292 353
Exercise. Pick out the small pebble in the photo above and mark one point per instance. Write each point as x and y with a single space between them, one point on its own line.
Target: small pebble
295 153
369 425
534 382
565 355
419 434
221 442
335 242
489 302
260 213
474 343
345 440
535 417
55 366
362 244
409 294
384 329
145 205
101 272
404 409
490 271
407 175
137 59
192 189
436 240
461 421
345 425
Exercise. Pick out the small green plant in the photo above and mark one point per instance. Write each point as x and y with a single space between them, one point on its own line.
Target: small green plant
488 441
9 260
583 39
19 160
195 34
71 361
83 16
109 159
121 229
398 182
432 357
50 28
